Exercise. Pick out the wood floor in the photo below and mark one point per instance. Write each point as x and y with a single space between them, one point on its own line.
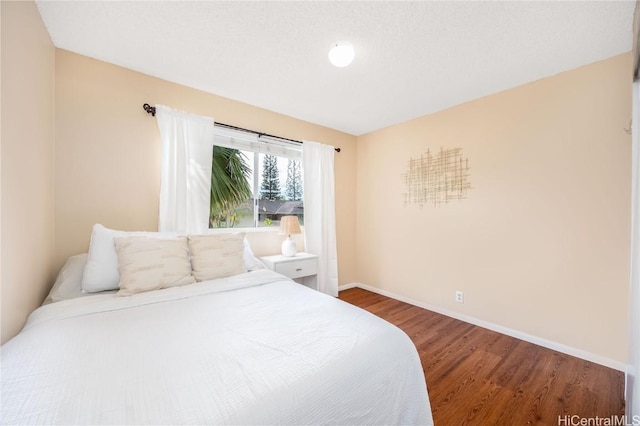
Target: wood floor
479 377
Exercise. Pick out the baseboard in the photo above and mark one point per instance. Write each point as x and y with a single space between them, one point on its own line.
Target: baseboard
549 344
348 286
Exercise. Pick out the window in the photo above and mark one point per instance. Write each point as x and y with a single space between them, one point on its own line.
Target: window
254 180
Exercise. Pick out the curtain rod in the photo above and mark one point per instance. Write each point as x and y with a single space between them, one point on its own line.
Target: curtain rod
152 110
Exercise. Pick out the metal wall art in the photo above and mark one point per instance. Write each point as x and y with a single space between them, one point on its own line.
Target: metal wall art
437 178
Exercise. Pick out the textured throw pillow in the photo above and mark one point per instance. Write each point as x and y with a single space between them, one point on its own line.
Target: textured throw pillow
101 269
148 264
216 255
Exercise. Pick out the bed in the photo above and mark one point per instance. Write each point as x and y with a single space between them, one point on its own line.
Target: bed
251 348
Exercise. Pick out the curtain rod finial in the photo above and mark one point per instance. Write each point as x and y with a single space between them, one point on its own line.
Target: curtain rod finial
150 110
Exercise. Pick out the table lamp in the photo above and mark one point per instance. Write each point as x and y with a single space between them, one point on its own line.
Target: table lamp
289 225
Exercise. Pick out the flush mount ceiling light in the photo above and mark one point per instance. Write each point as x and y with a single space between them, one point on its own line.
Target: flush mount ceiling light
341 54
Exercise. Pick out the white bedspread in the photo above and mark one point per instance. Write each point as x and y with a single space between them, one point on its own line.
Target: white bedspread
251 349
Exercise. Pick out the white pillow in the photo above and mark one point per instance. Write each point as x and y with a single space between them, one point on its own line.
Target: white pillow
148 264
69 280
251 263
216 255
101 270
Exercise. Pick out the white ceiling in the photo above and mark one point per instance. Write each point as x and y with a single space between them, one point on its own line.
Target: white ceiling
412 58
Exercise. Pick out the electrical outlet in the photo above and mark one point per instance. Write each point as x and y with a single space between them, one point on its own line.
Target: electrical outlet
459 297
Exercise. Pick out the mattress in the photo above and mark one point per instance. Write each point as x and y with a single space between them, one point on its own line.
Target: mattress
255 348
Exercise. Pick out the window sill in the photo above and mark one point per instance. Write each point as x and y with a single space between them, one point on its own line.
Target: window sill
262 229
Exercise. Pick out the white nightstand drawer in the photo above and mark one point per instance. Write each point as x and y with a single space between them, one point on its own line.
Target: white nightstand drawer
297 269
302 268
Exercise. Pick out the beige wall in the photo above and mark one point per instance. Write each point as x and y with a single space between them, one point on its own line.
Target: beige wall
542 243
540 246
108 153
27 164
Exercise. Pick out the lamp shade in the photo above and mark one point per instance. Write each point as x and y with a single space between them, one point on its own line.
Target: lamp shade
289 225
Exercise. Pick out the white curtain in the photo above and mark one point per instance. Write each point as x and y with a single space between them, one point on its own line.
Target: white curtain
238 139
320 212
185 187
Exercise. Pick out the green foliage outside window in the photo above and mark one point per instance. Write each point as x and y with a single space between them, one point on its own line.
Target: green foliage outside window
270 188
230 187
293 190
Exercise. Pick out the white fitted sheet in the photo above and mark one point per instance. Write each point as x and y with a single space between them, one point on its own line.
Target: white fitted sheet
255 348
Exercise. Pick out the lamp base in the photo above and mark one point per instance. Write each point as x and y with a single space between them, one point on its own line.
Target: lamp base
289 248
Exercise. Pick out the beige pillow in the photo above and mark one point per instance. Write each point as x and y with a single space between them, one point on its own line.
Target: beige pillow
152 263
216 255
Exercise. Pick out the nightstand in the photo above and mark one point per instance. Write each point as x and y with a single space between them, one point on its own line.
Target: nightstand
302 268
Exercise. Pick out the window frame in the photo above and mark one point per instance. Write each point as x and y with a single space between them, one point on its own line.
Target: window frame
256 144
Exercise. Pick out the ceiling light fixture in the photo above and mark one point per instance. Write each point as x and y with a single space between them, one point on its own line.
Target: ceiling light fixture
341 54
